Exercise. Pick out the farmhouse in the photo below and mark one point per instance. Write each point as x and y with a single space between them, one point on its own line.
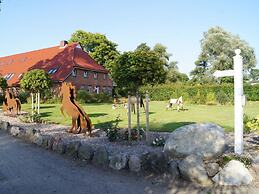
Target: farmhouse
64 63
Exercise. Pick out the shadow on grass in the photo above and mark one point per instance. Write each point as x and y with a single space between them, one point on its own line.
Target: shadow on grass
45 114
97 114
45 107
169 127
106 125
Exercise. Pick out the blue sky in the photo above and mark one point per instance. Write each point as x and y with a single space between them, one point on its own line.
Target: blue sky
28 25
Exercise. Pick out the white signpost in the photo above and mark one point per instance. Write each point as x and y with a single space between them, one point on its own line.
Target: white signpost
239 98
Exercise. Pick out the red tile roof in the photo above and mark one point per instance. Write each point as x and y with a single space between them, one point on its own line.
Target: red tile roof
64 59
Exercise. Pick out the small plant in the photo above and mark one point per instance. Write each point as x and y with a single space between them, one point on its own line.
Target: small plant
134 134
211 99
159 141
113 131
244 159
30 118
251 124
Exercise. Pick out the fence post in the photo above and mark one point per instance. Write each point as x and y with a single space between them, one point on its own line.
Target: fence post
147 116
129 118
138 122
239 101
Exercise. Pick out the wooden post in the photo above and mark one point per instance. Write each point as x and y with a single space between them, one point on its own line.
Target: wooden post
38 102
147 116
138 122
129 118
32 107
239 101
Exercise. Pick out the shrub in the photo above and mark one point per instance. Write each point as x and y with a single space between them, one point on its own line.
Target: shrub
222 98
23 96
113 130
86 97
250 124
211 99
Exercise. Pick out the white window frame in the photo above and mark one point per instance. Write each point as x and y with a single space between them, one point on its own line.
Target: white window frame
85 74
95 75
74 72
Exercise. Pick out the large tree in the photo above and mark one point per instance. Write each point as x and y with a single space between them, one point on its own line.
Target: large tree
217 51
102 50
140 67
35 81
174 75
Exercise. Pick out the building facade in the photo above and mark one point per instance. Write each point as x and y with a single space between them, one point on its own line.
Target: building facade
63 63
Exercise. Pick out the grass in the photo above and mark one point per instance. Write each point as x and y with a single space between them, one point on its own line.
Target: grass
160 119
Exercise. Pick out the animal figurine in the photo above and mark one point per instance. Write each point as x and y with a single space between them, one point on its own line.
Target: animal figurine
81 122
11 103
176 101
133 103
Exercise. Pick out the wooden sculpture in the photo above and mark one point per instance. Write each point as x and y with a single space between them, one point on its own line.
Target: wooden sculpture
81 122
11 104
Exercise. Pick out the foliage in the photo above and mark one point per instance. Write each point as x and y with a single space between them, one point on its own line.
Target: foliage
113 130
250 124
102 50
23 96
254 75
31 118
224 93
158 141
134 134
3 83
134 69
173 76
85 97
211 99
217 51
246 160
35 81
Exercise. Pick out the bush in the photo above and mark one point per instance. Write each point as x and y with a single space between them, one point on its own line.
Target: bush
251 124
86 97
23 96
113 130
211 99
222 98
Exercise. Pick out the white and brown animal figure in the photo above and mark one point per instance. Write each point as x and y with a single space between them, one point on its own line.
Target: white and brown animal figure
177 102
81 122
11 103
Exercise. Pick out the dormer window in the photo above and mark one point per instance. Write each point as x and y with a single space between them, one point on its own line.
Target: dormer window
85 74
20 76
52 71
9 76
95 76
74 72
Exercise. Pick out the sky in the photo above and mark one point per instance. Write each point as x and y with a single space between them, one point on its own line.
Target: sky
178 24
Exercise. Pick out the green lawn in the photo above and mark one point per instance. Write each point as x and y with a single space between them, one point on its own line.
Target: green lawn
160 119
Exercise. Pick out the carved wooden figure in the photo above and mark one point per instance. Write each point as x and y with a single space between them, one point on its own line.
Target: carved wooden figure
81 122
11 104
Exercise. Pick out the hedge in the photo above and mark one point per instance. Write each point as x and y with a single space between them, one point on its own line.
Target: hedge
200 94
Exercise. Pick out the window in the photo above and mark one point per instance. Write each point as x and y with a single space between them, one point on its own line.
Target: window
85 74
20 75
104 89
95 76
104 76
52 71
90 88
74 72
9 76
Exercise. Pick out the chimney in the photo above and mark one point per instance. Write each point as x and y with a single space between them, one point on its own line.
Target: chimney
63 43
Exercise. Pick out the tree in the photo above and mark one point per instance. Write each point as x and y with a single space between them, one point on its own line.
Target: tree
254 75
3 83
162 53
35 81
174 75
140 67
102 50
217 51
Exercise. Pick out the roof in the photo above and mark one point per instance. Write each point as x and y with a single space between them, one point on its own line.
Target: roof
61 60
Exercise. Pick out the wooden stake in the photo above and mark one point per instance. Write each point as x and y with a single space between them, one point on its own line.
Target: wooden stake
138 122
129 118
147 117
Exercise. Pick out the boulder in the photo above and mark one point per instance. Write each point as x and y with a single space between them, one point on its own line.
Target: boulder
138 162
17 131
158 161
101 156
38 139
29 133
72 149
234 173
192 169
86 152
4 125
173 169
212 168
59 146
118 162
207 140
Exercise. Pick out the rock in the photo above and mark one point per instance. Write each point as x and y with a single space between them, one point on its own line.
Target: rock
17 131
173 169
59 146
45 140
158 161
207 140
234 173
212 168
38 139
101 156
51 141
29 133
256 160
72 149
138 162
192 169
118 161
4 125
86 152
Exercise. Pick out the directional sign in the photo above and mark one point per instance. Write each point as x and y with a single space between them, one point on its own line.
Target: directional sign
225 73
